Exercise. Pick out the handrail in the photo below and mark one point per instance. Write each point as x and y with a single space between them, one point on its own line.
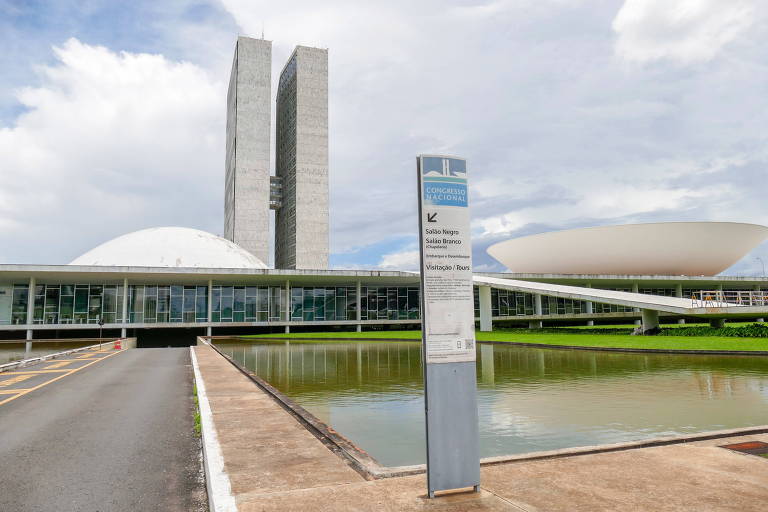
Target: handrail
728 298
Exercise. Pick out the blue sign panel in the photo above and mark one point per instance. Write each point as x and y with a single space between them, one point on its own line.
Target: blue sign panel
440 193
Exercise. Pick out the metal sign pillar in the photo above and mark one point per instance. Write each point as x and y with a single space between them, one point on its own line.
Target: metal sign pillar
448 325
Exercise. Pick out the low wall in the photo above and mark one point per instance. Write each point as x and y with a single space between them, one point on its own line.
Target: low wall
125 343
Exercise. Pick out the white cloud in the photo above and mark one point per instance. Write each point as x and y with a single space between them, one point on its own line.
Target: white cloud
559 132
111 142
681 30
405 260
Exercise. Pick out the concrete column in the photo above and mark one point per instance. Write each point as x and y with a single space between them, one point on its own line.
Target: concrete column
636 289
486 322
650 320
209 329
30 312
359 308
535 324
589 307
537 303
124 330
679 294
717 323
31 306
287 304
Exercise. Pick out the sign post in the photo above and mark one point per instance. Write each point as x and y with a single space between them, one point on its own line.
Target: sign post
448 325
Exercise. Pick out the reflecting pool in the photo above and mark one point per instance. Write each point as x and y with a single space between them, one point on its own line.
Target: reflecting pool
528 399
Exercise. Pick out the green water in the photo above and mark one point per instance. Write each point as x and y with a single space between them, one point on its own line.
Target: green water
528 399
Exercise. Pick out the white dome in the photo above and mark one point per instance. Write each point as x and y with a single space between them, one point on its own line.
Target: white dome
664 248
170 247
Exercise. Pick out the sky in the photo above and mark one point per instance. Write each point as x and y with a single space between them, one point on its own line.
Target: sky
571 113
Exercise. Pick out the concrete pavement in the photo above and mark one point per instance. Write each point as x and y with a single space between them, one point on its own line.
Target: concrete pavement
117 435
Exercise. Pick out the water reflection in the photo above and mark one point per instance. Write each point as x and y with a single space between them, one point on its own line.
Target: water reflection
528 399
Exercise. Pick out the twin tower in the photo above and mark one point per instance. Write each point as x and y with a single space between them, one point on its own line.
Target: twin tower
298 192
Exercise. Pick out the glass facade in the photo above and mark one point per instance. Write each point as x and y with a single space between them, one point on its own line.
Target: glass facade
389 303
150 304
323 304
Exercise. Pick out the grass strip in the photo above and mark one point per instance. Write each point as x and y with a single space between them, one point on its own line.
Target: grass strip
198 426
574 338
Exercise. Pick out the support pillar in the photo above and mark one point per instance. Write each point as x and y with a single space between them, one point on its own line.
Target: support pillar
717 323
28 344
636 289
30 313
209 329
589 308
650 321
287 305
535 324
359 307
486 322
679 294
124 330
537 303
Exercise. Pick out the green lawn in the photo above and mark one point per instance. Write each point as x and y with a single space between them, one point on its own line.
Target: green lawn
662 325
570 339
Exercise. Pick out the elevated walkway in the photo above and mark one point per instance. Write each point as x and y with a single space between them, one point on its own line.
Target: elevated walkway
713 306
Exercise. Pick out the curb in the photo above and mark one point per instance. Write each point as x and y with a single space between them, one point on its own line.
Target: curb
220 497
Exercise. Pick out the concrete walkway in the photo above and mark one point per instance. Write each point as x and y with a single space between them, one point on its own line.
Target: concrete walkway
275 464
115 435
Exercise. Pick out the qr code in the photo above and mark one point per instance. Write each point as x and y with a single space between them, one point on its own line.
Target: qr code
468 344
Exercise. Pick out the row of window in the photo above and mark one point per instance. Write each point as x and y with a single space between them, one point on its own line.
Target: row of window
90 304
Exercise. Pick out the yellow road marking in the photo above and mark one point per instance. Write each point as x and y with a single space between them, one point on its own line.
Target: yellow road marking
14 380
11 391
56 365
57 378
35 372
80 359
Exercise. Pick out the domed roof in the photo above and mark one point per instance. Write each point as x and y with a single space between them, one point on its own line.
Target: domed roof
664 248
170 247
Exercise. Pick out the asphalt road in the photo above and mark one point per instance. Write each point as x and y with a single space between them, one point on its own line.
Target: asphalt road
116 436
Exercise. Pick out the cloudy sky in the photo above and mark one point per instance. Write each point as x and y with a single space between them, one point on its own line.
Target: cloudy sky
572 113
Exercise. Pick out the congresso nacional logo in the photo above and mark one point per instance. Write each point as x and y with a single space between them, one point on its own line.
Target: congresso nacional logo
445 181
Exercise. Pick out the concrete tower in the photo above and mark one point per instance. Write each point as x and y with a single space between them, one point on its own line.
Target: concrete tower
247 181
301 223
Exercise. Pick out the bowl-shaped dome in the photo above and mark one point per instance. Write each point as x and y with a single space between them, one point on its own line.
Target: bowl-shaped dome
170 247
667 248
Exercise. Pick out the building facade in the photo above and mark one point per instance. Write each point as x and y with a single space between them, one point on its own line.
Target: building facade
50 301
301 222
247 166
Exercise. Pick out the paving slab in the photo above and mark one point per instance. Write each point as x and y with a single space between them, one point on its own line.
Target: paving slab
264 448
697 476
274 463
